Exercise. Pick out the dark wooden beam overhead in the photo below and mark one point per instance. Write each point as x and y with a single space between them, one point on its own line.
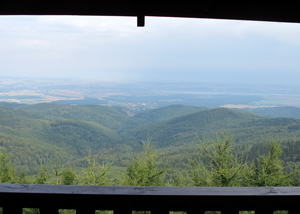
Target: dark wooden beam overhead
140 13
259 10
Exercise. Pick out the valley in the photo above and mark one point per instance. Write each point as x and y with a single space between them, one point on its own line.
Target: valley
30 134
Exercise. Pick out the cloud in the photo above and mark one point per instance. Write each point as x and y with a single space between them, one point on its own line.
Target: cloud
170 48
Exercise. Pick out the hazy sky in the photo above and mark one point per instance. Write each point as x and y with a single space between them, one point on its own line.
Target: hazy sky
166 49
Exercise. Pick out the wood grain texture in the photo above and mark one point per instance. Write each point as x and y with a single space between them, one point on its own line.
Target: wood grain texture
149 191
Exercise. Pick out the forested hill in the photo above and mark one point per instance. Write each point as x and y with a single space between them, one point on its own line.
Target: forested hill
106 116
182 130
286 111
30 137
31 133
245 127
168 112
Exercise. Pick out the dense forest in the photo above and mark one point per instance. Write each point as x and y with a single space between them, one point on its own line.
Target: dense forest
177 145
39 134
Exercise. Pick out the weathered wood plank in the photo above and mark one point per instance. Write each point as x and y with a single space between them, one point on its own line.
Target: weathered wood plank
161 191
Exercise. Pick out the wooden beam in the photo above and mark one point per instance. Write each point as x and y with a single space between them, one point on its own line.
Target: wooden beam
140 13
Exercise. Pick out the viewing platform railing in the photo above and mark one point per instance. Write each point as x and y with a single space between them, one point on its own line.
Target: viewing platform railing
123 200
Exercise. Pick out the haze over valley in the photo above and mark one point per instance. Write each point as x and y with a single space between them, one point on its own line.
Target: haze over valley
139 96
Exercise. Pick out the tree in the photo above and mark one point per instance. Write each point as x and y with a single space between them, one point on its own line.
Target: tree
7 173
268 171
41 178
95 174
199 173
223 168
55 171
68 177
144 169
23 178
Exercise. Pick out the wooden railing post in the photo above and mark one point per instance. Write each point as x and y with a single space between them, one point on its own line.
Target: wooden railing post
85 210
266 208
48 210
230 209
123 209
12 210
195 209
159 210
294 211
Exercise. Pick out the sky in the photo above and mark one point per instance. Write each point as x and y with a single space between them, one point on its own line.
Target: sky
165 50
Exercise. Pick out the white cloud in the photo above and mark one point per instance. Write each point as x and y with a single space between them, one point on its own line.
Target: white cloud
87 46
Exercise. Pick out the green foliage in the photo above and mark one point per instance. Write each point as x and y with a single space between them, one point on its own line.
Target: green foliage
23 178
68 177
66 211
181 131
31 211
41 177
56 171
168 112
199 173
224 168
106 116
30 135
178 178
95 174
268 171
7 173
144 170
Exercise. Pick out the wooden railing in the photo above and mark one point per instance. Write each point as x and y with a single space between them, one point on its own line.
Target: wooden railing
123 200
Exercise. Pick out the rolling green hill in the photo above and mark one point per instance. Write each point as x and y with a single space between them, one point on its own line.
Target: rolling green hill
106 116
27 135
31 133
246 128
168 112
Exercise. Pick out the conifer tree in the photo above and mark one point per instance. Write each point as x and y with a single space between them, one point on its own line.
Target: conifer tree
55 171
144 169
68 177
41 178
223 168
269 170
95 174
23 178
7 173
